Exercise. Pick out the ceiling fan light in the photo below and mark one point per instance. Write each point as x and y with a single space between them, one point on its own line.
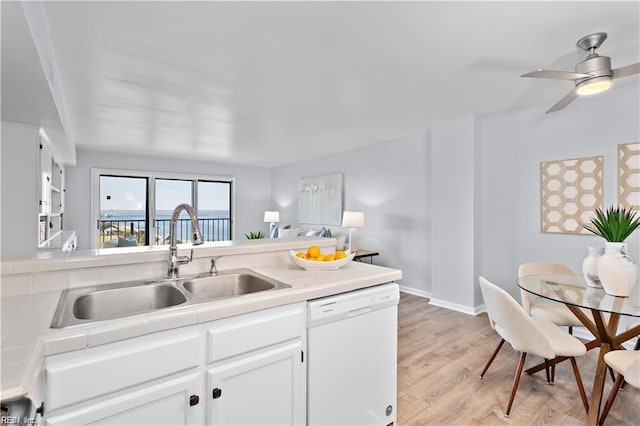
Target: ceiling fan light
593 86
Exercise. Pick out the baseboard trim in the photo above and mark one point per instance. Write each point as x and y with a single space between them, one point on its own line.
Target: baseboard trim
415 292
469 310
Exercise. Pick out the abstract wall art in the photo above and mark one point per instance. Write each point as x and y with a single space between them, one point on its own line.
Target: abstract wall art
320 200
571 191
629 175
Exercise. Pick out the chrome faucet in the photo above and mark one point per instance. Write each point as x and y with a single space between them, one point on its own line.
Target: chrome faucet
213 270
174 259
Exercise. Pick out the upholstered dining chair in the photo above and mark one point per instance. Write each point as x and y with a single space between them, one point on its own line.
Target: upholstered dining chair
528 335
538 307
627 365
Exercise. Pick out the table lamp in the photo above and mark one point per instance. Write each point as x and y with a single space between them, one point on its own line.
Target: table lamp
352 220
272 217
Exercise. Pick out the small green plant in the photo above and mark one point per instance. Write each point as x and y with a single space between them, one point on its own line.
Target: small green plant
254 235
615 224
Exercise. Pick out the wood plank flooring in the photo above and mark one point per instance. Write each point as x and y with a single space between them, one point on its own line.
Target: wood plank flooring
441 354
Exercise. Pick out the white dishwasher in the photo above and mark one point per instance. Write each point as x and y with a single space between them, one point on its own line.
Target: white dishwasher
352 363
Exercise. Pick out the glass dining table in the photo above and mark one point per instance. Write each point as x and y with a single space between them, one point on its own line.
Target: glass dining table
606 310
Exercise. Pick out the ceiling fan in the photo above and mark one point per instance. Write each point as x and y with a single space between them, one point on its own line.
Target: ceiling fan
593 75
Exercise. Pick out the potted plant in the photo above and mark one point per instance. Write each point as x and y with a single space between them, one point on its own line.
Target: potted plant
617 271
254 235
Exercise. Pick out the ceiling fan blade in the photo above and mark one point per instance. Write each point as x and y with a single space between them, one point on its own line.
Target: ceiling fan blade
625 71
568 98
559 75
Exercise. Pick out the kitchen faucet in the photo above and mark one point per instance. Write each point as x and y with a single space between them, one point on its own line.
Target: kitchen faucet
213 270
174 259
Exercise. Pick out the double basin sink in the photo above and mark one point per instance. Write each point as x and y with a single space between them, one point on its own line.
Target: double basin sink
89 304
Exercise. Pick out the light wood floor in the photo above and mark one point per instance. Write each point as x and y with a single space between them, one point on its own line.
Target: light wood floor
441 354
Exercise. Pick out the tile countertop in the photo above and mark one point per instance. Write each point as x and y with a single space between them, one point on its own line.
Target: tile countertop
27 338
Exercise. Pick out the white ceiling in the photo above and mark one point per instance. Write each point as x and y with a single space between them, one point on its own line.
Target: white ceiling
261 83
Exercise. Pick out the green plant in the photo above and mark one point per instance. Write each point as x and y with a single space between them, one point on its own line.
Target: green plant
254 235
615 224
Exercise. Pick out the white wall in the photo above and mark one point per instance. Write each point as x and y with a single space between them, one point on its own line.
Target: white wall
252 187
19 220
453 169
387 181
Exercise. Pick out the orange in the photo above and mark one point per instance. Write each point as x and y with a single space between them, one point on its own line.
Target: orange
330 257
340 254
301 255
313 251
319 258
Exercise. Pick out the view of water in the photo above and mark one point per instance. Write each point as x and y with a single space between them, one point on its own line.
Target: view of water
212 230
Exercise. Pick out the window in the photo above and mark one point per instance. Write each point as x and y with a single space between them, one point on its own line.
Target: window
134 208
123 211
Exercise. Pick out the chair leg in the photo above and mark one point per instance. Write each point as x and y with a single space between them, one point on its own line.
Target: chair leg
612 397
576 373
516 381
546 370
553 373
635 348
493 356
571 330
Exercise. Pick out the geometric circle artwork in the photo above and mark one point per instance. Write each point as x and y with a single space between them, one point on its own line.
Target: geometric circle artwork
629 175
571 191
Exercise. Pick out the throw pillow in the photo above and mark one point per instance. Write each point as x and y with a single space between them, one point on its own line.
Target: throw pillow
125 242
288 233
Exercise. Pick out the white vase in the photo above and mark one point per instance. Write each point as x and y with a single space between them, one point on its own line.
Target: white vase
589 269
617 271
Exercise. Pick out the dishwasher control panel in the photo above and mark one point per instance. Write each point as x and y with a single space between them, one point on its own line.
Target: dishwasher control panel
353 303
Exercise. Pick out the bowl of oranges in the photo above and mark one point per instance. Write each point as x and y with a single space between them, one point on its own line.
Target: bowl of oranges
314 260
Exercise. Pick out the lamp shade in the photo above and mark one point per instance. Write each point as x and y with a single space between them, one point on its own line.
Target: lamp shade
272 216
353 219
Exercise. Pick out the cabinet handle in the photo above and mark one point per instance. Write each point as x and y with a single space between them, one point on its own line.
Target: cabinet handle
217 393
194 400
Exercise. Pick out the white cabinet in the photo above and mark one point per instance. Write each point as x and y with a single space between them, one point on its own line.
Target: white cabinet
164 403
45 176
257 371
51 193
246 369
153 379
262 389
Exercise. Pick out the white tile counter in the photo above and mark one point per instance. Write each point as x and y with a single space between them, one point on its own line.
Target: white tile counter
27 338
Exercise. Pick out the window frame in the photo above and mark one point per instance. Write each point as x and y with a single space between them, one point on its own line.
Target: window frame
151 177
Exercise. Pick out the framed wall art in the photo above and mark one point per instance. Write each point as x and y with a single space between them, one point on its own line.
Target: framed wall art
571 191
320 200
629 175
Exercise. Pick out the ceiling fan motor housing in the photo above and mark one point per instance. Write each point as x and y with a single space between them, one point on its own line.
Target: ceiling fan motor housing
595 65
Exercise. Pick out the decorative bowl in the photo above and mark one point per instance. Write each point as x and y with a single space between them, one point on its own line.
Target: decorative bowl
315 265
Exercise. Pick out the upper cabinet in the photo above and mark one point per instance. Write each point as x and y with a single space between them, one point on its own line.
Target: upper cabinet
51 193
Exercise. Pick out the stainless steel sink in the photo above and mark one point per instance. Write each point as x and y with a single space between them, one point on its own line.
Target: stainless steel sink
229 284
122 302
89 304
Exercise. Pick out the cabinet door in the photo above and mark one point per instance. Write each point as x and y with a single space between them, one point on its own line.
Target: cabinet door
166 403
264 388
46 164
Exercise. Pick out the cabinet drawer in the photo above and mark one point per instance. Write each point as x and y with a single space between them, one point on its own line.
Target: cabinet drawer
86 374
238 335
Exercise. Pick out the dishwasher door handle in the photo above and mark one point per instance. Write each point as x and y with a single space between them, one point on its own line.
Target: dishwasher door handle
360 311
